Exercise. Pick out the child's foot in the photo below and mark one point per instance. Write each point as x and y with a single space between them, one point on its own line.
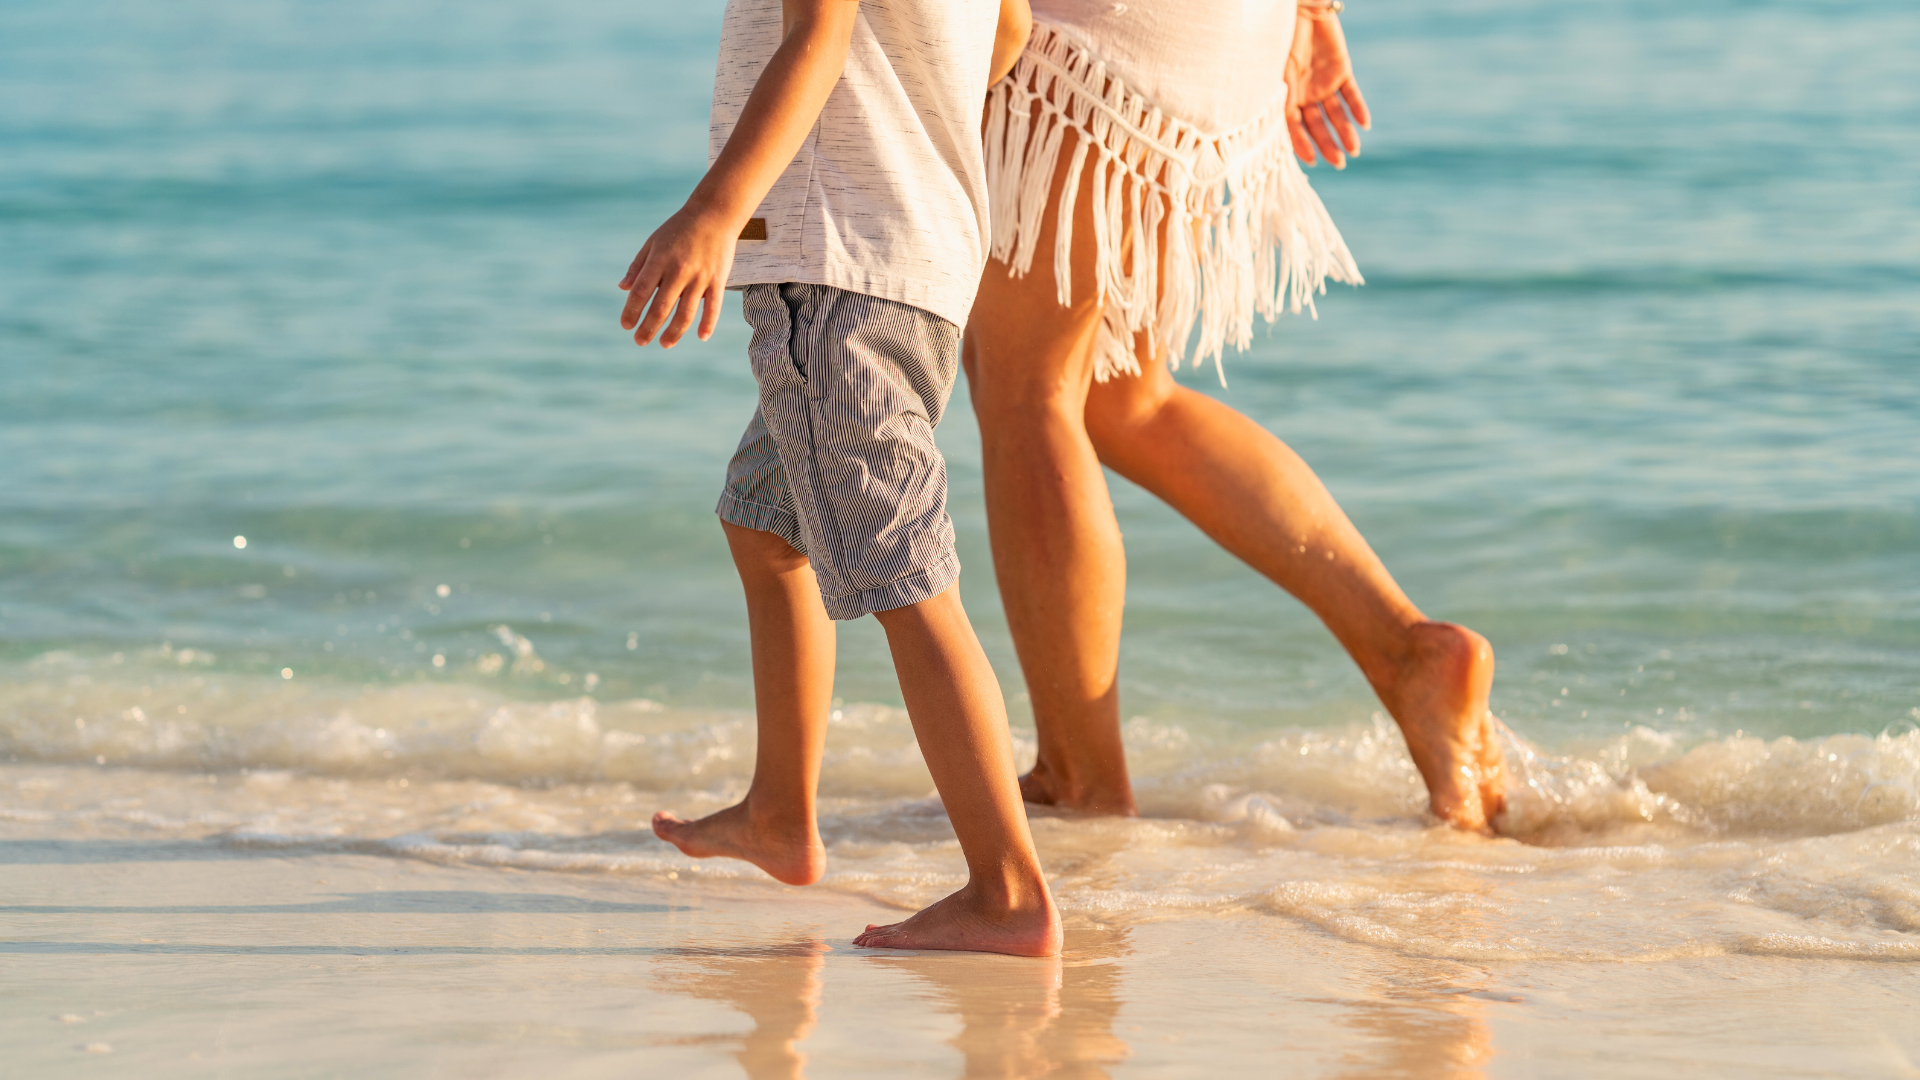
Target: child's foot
790 851
1438 694
967 923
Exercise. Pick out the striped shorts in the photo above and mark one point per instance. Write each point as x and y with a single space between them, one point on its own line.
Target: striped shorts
839 458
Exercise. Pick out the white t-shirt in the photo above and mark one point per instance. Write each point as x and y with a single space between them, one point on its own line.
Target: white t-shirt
888 196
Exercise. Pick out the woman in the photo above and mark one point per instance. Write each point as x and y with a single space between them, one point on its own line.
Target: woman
1142 184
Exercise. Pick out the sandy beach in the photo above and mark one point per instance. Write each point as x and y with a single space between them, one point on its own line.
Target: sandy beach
186 961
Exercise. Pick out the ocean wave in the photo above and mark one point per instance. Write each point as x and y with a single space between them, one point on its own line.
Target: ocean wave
1738 785
64 709
1401 884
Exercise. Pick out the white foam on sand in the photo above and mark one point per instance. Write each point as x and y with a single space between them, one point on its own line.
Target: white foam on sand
1640 848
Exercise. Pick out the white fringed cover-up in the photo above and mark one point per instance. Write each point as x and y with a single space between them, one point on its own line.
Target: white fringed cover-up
1179 111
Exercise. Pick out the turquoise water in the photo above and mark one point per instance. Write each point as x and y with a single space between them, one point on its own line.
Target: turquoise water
1629 390
1632 373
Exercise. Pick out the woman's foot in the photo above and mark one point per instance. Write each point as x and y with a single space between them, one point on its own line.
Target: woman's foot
1044 786
1437 692
968 922
790 850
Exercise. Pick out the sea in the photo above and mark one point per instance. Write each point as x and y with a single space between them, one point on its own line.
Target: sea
339 517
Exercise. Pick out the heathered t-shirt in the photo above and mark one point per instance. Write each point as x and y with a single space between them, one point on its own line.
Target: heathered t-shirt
888 196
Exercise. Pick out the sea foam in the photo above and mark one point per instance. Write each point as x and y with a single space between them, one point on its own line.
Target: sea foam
1640 784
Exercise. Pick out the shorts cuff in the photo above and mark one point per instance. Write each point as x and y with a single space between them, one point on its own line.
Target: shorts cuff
915 587
748 514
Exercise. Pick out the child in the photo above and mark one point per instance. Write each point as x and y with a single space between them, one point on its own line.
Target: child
848 167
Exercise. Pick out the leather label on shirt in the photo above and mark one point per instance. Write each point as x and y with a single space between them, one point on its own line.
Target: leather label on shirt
756 229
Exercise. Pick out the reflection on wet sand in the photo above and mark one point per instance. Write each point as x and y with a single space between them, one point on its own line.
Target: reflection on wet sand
1018 1017
1428 1021
1023 1018
1427 1017
779 986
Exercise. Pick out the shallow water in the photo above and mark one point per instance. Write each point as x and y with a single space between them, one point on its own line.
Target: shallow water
1629 390
341 963
1633 848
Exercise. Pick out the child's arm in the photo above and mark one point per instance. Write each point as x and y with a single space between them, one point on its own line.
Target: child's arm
687 258
1010 38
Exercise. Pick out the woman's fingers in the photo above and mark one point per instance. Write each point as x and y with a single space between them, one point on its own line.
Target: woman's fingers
1323 136
1302 143
1356 104
1342 124
1331 125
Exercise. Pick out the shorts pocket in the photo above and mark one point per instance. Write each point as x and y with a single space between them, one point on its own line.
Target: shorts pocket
770 352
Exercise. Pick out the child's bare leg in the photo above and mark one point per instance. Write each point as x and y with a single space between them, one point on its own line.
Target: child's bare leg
961 722
793 644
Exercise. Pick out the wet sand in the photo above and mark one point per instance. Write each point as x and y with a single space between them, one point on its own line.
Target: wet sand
189 958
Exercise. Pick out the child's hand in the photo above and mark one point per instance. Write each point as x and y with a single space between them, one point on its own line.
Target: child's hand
682 265
685 262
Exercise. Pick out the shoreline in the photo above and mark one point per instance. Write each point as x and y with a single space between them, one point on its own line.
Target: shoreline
185 956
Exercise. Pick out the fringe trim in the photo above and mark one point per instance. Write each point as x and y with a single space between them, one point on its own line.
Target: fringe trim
1245 232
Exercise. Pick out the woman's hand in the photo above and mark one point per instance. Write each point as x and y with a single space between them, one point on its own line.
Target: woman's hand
1324 106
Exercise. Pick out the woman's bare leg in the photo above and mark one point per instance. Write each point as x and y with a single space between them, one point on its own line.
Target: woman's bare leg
793 646
1254 496
1056 546
1046 427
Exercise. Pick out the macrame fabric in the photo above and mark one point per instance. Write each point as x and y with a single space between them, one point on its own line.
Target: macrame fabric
1243 231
